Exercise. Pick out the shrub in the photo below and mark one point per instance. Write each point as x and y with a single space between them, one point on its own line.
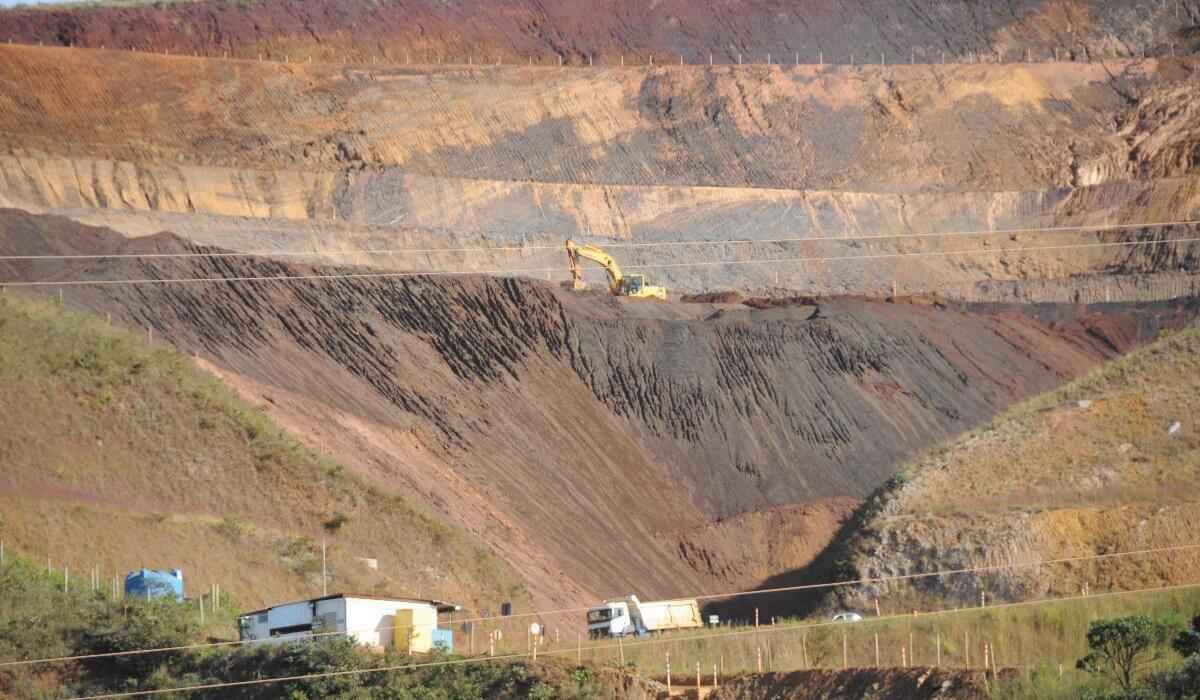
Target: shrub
1122 647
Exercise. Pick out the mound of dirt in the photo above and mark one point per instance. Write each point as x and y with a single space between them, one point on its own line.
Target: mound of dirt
726 297
584 438
858 684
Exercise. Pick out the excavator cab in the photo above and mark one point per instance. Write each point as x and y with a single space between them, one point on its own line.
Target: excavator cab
619 284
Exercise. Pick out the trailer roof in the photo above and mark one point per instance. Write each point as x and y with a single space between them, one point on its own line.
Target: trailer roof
441 605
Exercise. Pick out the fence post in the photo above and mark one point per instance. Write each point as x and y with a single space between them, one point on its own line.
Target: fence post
939 648
845 654
668 673
876 650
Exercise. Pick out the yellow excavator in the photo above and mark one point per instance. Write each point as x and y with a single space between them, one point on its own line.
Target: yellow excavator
620 285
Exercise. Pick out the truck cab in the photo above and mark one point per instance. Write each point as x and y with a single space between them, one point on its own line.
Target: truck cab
610 619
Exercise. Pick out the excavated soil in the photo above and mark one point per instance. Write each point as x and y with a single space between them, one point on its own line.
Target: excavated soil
511 30
565 428
490 168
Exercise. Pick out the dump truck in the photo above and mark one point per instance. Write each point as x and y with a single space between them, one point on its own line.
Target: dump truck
619 284
630 616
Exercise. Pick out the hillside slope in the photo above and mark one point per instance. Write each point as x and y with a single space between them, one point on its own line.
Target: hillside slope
575 29
327 160
1108 463
548 422
120 454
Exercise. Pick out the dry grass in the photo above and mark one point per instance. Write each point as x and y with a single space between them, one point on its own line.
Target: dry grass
119 454
1054 452
1025 637
1090 468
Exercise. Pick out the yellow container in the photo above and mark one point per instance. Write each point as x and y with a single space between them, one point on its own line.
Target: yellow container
414 629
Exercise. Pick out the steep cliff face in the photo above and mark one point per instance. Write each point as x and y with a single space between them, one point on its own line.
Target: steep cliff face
294 158
563 427
898 128
578 29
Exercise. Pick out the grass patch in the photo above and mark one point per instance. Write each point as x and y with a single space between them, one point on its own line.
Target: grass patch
119 454
1035 639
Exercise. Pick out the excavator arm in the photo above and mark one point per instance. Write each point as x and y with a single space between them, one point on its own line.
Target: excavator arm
576 251
619 284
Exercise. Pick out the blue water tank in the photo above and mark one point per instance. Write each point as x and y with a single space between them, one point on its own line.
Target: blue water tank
151 583
443 640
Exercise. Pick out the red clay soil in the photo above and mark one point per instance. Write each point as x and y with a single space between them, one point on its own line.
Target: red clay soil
590 442
575 29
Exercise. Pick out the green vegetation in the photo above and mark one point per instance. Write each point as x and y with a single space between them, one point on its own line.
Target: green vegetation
1121 648
1128 659
38 619
119 453
1107 463
1026 637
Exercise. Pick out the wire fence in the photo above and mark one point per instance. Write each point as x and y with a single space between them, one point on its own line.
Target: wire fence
562 631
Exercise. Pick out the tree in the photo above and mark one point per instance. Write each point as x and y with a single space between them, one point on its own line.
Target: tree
139 624
1120 648
1181 683
1187 642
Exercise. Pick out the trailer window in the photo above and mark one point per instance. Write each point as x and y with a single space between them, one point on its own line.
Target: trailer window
280 631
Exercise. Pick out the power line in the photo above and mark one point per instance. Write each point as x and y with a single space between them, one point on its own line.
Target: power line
610 645
711 596
615 244
519 271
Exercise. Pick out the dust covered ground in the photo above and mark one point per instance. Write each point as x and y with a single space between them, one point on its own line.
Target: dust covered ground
559 427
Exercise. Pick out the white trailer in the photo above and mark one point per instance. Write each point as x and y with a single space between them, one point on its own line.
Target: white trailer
617 618
369 620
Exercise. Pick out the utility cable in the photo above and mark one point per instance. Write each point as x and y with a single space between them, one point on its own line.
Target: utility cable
519 271
606 244
711 596
771 629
